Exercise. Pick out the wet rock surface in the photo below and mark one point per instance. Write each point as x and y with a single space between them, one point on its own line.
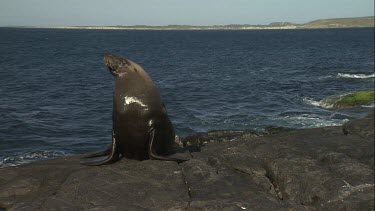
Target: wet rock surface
311 169
361 127
199 139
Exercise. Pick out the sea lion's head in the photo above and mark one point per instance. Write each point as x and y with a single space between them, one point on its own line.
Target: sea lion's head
120 67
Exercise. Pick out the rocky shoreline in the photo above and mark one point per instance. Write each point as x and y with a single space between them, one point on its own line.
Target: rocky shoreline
311 169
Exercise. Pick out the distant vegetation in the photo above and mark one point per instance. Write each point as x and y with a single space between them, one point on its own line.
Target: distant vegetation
323 23
340 23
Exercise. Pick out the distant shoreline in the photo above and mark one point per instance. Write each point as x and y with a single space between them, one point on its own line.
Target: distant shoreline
362 22
159 28
178 29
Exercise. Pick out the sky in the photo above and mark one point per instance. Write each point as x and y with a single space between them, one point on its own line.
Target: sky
175 12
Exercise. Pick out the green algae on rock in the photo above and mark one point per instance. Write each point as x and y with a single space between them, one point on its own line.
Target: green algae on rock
345 100
355 99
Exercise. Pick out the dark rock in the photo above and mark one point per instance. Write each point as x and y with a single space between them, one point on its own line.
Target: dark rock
310 169
65 184
361 127
216 136
273 130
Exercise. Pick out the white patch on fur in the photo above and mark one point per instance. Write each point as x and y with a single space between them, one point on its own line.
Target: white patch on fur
129 100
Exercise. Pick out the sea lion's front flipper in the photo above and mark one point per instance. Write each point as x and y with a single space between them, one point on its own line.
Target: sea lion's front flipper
99 153
153 155
113 156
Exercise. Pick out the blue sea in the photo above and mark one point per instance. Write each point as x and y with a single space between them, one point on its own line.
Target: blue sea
56 93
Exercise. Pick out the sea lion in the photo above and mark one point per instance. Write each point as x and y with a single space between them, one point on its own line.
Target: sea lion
141 128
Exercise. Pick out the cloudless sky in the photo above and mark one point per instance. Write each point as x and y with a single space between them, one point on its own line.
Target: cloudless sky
180 12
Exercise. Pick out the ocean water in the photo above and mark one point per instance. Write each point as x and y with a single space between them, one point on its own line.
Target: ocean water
56 94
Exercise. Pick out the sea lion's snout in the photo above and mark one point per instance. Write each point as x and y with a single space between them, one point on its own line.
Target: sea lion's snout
114 63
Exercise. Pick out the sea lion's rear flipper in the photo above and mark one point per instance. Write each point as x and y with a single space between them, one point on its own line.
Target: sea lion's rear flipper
153 155
113 156
99 153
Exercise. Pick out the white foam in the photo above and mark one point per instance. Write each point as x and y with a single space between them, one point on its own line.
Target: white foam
360 76
311 101
320 103
310 121
19 159
372 105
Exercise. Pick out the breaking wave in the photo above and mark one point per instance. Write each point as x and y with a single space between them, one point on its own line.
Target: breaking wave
313 102
327 103
360 76
309 121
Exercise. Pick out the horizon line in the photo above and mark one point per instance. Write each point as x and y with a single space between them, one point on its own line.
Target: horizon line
177 25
